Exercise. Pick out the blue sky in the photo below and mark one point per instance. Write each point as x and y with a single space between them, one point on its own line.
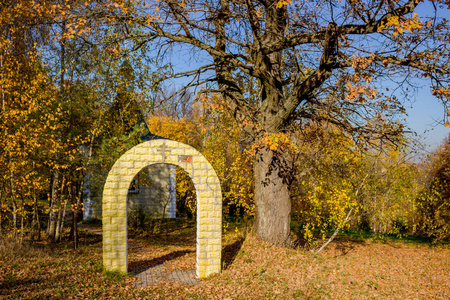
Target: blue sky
423 115
426 111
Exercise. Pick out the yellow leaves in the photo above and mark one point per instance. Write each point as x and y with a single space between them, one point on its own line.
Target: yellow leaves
400 25
393 21
328 204
282 3
447 124
274 141
212 131
182 130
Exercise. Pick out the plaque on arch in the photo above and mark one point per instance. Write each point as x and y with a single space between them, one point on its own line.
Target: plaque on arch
185 158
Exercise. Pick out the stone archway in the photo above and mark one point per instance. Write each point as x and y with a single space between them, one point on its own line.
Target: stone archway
209 202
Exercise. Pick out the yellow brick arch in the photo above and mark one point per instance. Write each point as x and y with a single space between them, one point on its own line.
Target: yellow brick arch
209 202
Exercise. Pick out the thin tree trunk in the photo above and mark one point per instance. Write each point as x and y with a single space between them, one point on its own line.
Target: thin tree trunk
35 224
38 223
1 187
21 222
52 228
52 213
80 197
14 207
335 232
61 227
345 221
273 171
59 224
75 214
13 192
12 185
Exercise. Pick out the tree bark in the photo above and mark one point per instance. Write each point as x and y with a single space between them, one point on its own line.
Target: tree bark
273 172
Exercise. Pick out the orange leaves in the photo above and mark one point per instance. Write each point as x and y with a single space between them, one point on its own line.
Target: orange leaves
361 62
442 92
400 25
276 141
359 92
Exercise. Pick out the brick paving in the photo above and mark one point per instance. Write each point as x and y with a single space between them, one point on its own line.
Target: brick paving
158 273
151 275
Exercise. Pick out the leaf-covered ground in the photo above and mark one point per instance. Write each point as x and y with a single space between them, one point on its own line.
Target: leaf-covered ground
253 270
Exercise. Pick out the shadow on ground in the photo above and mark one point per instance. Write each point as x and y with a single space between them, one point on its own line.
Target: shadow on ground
139 266
167 232
229 252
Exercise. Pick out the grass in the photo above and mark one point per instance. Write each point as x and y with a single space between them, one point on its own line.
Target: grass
405 238
354 266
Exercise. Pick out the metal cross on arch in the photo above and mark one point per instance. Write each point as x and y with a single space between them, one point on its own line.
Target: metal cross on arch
163 149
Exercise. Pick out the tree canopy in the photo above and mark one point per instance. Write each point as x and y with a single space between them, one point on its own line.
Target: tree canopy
280 66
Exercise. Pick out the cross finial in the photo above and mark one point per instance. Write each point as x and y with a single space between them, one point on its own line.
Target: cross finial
163 150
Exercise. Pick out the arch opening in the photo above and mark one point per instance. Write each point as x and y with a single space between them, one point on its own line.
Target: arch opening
152 194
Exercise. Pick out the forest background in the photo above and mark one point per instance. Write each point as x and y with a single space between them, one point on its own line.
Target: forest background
71 107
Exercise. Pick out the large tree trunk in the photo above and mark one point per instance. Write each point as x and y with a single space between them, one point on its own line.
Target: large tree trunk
273 173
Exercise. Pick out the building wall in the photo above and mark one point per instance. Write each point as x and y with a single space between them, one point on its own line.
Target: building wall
154 193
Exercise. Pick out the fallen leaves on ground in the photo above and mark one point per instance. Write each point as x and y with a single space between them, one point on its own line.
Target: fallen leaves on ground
253 270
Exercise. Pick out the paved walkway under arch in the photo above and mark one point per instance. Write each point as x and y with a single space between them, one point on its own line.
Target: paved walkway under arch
157 272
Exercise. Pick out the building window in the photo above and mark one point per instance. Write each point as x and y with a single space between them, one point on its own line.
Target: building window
134 187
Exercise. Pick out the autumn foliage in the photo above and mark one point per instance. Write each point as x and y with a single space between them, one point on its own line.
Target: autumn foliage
77 83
